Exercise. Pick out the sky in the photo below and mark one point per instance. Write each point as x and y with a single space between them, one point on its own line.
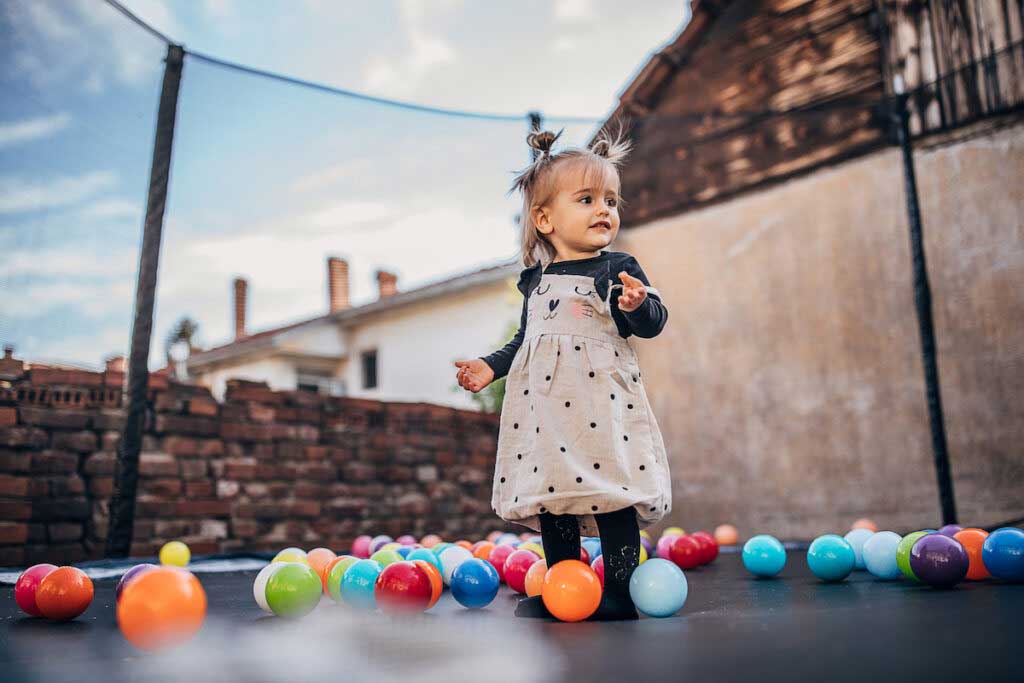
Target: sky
269 179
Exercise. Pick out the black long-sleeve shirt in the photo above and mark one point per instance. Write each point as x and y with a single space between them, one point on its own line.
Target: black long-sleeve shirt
646 321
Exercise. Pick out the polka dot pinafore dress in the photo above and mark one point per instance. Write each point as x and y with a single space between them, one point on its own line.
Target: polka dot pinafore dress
577 434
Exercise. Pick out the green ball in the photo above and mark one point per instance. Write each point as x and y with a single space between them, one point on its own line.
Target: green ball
903 554
386 557
334 577
294 590
441 547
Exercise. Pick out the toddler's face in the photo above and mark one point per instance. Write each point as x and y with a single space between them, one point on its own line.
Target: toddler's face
581 219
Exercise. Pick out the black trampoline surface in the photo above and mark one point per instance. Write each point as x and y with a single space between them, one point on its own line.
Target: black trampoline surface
733 627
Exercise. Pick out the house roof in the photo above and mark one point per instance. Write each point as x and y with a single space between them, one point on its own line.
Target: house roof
352 316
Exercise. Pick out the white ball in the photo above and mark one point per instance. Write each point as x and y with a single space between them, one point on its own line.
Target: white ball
856 539
451 558
259 587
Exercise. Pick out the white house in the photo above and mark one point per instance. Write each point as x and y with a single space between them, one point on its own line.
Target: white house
400 347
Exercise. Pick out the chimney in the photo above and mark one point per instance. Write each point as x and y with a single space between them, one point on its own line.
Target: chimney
116 364
10 367
387 283
337 284
241 289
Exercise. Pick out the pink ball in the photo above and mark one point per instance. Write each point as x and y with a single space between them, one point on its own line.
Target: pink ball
664 547
497 557
406 540
361 547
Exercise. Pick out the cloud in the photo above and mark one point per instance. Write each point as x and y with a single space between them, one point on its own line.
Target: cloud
32 129
17 195
572 11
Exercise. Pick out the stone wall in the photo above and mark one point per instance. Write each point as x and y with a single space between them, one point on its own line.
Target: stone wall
261 471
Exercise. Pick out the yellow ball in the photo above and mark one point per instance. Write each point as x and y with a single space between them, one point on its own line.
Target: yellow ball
643 554
646 535
175 553
535 547
673 531
390 546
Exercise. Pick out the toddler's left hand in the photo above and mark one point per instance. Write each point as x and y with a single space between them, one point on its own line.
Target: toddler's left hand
633 293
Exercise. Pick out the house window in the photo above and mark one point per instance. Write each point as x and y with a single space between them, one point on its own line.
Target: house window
320 384
369 365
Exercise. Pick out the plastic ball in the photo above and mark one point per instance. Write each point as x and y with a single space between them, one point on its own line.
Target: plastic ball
939 560
430 540
406 539
498 556
831 557
593 546
710 546
402 588
462 543
685 551
658 588
903 553
427 555
292 555
335 572
865 523
507 539
64 593
451 558
879 554
319 558
950 530
378 542
441 547
516 566
361 547
571 591
973 539
598 567
648 545
534 580
390 546
475 582
294 590
175 553
726 534
127 577
28 583
643 554
436 582
161 608
673 531
664 547
358 582
535 547
1003 553
644 533
386 557
482 550
259 586
493 536
764 555
856 539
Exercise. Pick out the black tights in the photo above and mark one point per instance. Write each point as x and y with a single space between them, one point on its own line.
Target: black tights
620 544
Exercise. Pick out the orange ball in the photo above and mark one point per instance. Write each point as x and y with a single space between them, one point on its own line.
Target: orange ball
318 559
161 608
430 540
571 590
436 583
865 523
483 550
64 593
535 577
465 544
726 534
972 539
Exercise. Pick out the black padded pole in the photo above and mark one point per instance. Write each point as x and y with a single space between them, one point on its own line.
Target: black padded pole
122 503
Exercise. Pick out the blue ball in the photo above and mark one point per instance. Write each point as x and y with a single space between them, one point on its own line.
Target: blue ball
475 582
763 555
831 557
658 588
404 551
1003 553
427 555
593 547
358 581
856 538
880 555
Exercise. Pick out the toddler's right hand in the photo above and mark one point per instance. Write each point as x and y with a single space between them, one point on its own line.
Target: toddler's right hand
474 375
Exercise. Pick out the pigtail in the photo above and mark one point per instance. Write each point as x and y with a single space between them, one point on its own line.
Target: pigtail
614 148
541 142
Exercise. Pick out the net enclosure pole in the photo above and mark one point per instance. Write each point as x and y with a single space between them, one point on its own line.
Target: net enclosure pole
923 303
122 503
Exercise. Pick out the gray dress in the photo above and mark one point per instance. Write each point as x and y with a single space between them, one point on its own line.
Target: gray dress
577 433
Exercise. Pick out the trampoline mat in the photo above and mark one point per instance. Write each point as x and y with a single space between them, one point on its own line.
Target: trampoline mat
732 627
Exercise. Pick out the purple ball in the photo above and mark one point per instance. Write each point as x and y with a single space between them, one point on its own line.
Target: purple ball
406 540
648 545
950 530
939 561
127 577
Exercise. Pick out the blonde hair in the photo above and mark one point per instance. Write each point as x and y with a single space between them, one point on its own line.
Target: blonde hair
538 182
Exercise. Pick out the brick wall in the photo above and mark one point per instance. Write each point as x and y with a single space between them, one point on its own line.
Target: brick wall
261 471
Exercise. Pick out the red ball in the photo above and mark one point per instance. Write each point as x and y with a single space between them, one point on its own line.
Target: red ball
403 587
64 593
710 546
598 567
686 551
584 555
497 557
25 589
516 566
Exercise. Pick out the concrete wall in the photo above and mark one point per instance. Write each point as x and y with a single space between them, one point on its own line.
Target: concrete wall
788 381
